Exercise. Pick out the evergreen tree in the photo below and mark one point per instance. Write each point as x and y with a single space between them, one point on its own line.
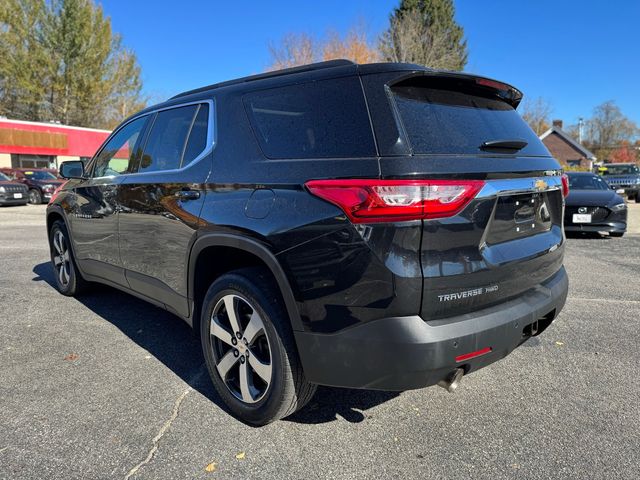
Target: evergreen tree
425 32
64 63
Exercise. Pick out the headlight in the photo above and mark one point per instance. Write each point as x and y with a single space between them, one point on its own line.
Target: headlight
2 189
48 188
619 207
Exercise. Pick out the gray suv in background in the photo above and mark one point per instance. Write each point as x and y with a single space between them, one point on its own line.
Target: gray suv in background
625 176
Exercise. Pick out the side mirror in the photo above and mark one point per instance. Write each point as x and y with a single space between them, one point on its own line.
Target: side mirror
72 169
620 191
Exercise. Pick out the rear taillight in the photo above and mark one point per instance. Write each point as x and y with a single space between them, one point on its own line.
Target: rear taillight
565 185
367 201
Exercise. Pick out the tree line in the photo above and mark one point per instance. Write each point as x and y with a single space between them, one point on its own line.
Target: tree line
608 133
420 31
60 61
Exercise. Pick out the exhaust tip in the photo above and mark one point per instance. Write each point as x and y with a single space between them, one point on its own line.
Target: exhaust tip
451 382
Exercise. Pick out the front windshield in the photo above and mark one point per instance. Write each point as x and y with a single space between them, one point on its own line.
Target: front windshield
39 175
620 170
587 182
4 178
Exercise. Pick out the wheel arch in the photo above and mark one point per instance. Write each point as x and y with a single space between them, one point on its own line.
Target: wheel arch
225 252
56 212
52 216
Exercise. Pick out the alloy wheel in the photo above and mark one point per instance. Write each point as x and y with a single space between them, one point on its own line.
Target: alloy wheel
241 348
61 258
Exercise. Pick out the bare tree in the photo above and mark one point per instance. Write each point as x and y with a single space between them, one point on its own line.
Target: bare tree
609 127
353 46
294 49
412 37
536 112
300 48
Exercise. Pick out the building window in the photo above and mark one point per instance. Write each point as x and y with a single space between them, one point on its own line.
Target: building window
573 163
32 161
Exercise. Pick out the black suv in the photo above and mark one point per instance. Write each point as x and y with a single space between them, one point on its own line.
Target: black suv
380 226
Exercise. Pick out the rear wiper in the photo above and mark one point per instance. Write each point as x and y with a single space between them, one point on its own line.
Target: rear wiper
512 144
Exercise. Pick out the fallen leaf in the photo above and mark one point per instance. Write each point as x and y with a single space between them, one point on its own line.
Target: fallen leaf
559 343
211 467
240 456
71 356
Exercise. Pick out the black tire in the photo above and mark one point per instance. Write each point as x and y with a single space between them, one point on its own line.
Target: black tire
70 282
35 198
637 198
616 234
288 390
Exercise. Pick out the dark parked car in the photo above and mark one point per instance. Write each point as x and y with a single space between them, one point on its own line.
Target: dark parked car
378 226
12 193
593 207
625 176
40 182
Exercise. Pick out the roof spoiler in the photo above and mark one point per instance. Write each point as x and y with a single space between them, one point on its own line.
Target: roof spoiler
503 91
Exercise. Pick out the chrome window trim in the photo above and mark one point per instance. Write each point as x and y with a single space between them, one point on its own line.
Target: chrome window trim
210 145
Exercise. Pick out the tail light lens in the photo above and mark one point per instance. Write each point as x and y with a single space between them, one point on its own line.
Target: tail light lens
565 185
368 201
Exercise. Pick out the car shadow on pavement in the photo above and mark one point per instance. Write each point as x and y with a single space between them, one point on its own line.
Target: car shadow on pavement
352 405
171 341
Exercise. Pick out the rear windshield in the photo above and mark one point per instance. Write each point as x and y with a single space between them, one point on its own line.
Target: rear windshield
320 119
620 170
587 182
441 121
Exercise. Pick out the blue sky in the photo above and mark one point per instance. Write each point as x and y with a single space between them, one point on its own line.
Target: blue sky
576 54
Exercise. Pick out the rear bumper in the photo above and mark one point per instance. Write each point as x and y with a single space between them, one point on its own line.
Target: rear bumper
403 353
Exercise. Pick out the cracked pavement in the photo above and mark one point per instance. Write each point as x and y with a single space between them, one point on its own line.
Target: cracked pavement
107 386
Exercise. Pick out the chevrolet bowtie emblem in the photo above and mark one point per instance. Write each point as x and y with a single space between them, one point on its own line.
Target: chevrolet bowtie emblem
540 185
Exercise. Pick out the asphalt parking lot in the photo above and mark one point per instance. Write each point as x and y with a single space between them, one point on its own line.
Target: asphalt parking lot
107 386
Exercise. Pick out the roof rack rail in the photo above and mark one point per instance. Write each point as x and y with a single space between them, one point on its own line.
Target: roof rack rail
276 73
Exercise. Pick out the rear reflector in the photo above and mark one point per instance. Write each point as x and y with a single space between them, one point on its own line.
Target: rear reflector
468 356
367 201
565 185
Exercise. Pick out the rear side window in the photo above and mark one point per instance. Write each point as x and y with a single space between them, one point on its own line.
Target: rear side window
321 119
198 136
441 121
167 139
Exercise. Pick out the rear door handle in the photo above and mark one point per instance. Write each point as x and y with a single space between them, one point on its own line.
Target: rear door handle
188 194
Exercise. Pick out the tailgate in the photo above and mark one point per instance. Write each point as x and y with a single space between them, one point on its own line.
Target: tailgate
504 243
